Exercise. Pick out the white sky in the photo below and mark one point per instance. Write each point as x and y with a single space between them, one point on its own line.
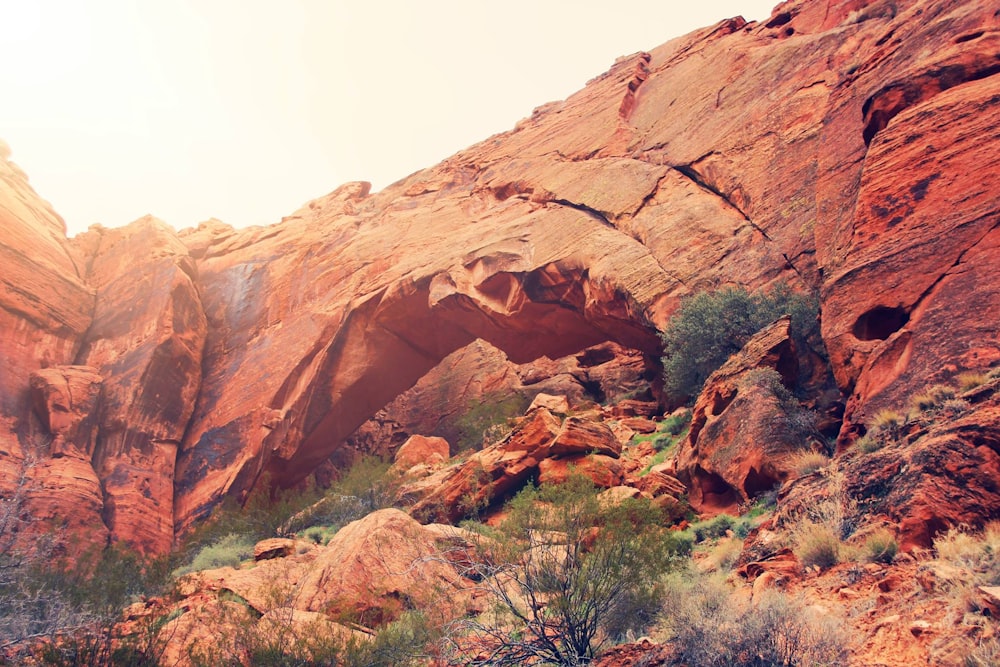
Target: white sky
245 109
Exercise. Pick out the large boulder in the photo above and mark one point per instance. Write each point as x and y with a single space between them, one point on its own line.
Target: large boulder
745 425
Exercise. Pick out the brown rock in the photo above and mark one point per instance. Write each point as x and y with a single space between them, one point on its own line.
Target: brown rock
66 399
861 170
421 450
640 424
376 568
554 404
583 436
741 428
603 471
277 547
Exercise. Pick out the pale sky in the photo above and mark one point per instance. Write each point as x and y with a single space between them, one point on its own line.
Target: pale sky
244 110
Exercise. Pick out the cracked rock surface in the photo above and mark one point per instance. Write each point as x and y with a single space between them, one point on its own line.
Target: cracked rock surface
849 149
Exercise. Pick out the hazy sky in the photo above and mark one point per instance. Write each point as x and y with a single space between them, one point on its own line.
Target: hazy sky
245 109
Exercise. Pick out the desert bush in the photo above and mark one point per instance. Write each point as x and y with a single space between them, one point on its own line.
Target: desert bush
808 462
710 327
880 546
886 428
932 398
228 551
485 421
561 570
367 485
677 423
713 528
818 534
59 604
976 552
985 653
817 544
711 626
971 379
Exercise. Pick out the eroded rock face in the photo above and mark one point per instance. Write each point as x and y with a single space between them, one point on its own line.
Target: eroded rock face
740 438
844 147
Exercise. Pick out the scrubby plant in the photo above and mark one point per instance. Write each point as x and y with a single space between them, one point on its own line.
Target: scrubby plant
880 546
808 462
712 626
971 379
714 528
885 428
561 571
228 551
818 534
710 327
677 423
932 398
485 421
367 485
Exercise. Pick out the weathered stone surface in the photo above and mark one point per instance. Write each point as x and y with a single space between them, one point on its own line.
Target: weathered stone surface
945 477
556 404
66 400
604 471
146 339
379 566
276 547
579 436
740 438
488 476
843 147
418 449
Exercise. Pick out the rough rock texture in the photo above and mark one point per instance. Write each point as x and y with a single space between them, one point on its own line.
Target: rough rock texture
418 449
740 440
846 147
380 566
449 400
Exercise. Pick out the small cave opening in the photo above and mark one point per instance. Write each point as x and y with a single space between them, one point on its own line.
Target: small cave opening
880 322
757 482
779 20
716 493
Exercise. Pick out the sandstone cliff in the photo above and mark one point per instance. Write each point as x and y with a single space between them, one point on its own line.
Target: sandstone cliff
843 146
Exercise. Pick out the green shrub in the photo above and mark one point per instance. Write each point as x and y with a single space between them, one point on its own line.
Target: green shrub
880 547
367 485
485 421
229 551
589 561
710 327
677 423
818 544
714 528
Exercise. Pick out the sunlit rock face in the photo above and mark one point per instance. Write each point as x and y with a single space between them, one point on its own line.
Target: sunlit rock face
847 148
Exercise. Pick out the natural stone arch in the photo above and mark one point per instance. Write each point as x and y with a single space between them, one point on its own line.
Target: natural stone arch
394 337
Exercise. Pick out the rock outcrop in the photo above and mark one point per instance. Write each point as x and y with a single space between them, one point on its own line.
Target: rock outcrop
843 147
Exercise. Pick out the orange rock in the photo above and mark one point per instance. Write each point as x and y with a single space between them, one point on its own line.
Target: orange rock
419 449
740 443
603 471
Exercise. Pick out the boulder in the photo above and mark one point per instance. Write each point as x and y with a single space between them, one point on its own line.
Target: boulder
602 470
419 449
376 568
745 426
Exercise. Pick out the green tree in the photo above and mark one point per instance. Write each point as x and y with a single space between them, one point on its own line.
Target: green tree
712 326
565 571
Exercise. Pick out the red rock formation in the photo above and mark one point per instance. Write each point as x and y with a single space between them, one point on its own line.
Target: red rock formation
843 146
740 441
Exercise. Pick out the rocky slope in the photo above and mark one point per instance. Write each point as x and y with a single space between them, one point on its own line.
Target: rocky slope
843 146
